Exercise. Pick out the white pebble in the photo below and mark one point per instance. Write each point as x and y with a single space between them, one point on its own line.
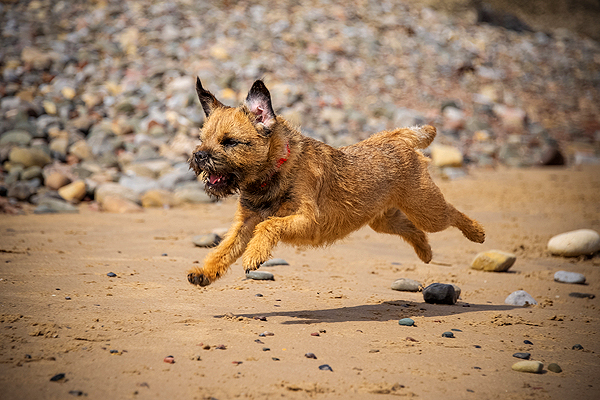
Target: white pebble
575 243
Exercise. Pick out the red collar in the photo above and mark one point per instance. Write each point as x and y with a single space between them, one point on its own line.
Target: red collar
280 162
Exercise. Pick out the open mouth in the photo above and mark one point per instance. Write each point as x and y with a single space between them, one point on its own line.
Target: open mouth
216 180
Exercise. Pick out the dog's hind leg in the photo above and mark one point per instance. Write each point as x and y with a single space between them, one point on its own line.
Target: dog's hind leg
393 221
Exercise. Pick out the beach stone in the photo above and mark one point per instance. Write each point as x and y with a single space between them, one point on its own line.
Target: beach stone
56 180
274 261
81 150
192 194
16 137
524 356
114 189
569 277
406 285
579 295
59 146
534 367
32 172
440 293
74 191
49 205
28 157
575 243
446 156
555 368
494 261
208 240
158 198
577 347
139 184
520 298
448 334
260 276
20 191
119 205
406 322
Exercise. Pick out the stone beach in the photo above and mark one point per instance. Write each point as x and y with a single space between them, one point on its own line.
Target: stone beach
100 217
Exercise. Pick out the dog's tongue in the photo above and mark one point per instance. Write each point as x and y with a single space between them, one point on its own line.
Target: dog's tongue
215 179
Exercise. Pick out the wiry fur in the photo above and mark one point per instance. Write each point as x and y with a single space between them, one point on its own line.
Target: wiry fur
319 194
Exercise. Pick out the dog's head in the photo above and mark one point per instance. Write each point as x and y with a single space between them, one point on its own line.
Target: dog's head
235 148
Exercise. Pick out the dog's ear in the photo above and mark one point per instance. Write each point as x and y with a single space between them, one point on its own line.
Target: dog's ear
208 101
258 102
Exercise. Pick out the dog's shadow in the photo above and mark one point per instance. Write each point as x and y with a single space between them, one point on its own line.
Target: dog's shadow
385 311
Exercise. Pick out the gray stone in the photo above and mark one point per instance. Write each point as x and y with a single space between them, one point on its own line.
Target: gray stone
28 157
406 285
555 368
493 260
139 184
50 205
114 189
520 298
16 137
569 277
406 322
274 261
208 240
440 293
575 243
534 367
260 276
32 172
192 194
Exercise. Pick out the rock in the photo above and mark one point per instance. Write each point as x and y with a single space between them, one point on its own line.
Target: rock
448 334
493 260
406 285
569 277
524 356
74 191
577 347
18 137
454 118
440 293
120 205
208 240
260 276
114 189
138 184
56 180
406 322
446 156
325 367
575 243
28 157
20 191
192 194
520 298
32 172
534 367
158 198
81 150
274 261
59 146
50 205
578 295
555 368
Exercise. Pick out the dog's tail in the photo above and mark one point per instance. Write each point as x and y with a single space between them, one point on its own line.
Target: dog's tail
418 137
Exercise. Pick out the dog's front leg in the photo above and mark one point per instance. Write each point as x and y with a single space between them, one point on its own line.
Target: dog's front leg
268 233
226 253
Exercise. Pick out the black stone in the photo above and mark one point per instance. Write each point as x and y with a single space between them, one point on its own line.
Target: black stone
578 347
111 275
448 334
325 367
582 295
440 293
57 377
527 342
524 356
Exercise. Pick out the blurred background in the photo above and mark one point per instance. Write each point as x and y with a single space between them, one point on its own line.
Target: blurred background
101 93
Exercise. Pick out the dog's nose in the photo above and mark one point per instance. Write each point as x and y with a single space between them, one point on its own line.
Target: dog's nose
201 157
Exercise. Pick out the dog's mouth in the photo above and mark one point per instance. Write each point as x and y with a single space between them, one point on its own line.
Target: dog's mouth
219 184
216 180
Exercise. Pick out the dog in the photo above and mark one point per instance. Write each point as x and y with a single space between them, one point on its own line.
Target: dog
298 190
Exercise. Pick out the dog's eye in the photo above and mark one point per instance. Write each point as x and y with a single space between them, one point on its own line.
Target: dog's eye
229 142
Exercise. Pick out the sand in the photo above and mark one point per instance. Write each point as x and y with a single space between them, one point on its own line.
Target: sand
61 314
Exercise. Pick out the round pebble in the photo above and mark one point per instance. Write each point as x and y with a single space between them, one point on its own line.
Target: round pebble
448 334
440 293
111 275
208 240
273 262
260 276
406 285
524 356
315 334
325 367
406 322
534 367
310 355
169 360
555 368
575 243
569 277
520 298
493 261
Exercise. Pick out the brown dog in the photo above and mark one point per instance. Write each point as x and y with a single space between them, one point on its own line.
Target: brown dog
301 191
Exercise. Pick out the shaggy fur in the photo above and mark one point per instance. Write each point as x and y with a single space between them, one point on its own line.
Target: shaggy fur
301 191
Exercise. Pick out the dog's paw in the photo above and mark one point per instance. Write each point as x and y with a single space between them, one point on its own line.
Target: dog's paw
198 279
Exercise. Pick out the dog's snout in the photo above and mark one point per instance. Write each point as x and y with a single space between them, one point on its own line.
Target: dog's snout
201 157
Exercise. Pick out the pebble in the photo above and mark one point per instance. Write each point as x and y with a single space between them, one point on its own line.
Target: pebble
575 243
158 198
266 333
74 191
16 137
555 368
274 261
120 205
524 356
77 393
56 180
406 285
111 275
57 377
534 367
446 156
577 347
260 276
310 355
520 298
169 360
440 293
207 240
582 295
448 334
527 342
50 205
315 334
28 157
494 261
569 277
325 367
406 322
